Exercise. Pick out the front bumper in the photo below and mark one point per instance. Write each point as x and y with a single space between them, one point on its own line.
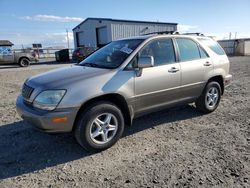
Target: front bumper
43 120
227 80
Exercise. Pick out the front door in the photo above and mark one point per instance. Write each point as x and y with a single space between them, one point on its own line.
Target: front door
6 55
158 86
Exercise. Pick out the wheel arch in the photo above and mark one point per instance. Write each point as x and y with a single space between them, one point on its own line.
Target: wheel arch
219 79
22 57
114 98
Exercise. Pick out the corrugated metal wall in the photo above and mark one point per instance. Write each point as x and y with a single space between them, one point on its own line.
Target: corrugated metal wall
228 46
123 30
87 31
236 46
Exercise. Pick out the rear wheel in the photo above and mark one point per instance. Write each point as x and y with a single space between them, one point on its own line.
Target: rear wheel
210 98
24 62
99 127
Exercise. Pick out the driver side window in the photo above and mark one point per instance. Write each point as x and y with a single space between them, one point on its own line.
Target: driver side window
5 50
161 49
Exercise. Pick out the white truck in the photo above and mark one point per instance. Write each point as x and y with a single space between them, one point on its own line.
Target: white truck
8 56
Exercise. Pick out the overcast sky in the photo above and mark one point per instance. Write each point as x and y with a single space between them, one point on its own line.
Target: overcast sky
31 21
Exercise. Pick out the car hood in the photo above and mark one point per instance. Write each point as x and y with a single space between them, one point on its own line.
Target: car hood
64 76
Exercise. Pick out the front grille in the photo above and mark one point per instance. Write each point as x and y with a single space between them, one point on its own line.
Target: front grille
27 91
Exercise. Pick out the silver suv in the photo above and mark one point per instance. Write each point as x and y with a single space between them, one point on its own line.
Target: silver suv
123 80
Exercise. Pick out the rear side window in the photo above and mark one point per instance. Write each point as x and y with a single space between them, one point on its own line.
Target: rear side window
213 45
188 49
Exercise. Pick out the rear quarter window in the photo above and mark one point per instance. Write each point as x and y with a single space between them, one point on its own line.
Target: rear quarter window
213 45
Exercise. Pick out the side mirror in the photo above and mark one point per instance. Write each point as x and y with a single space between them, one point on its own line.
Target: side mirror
145 61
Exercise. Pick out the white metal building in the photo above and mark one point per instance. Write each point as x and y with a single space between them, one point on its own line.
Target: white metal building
96 32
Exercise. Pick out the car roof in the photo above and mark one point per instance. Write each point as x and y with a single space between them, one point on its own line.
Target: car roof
152 36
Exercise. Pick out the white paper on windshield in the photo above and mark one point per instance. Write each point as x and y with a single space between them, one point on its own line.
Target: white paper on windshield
126 50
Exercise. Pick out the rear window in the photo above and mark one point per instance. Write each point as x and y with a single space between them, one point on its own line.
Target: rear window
213 45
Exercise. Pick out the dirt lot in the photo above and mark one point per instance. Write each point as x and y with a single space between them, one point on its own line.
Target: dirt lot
173 148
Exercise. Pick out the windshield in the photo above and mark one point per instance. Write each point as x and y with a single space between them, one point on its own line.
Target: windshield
112 55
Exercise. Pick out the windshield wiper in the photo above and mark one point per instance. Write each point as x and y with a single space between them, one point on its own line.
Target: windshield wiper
95 65
90 65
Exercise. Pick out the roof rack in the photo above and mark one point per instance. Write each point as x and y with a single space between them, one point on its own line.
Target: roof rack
198 34
163 32
174 33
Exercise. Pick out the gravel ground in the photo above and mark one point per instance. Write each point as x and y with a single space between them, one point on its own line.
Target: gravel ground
178 147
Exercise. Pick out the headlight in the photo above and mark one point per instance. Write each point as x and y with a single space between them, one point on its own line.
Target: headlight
49 99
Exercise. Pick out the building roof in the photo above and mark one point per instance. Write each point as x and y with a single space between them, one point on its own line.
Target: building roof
129 21
6 43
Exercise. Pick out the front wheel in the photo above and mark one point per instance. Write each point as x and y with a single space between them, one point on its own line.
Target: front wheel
99 127
210 98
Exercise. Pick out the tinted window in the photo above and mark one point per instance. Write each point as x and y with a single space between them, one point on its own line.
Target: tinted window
162 50
213 45
188 49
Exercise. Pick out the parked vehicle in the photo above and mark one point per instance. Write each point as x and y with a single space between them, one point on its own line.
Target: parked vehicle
123 80
62 55
81 53
8 56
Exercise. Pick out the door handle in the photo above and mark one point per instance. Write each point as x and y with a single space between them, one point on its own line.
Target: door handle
173 70
207 64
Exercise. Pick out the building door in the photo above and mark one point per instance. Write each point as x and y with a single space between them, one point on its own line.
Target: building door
101 36
80 39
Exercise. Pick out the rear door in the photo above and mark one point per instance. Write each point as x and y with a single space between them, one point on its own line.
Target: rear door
195 65
159 85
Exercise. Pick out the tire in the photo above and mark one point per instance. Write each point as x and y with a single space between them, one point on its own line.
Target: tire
88 121
24 62
210 92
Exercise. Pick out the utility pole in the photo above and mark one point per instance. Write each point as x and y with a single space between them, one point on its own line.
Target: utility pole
67 37
230 35
235 35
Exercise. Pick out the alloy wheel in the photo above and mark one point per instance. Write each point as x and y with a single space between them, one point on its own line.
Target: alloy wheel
103 128
212 97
